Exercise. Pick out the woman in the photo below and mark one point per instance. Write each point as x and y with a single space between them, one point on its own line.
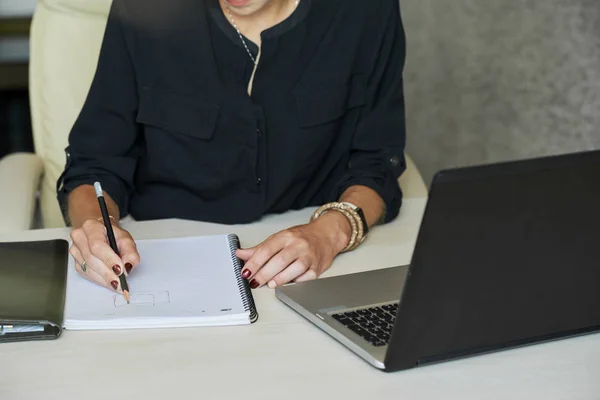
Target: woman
226 110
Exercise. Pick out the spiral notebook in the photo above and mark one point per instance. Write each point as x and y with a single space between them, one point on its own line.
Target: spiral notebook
180 282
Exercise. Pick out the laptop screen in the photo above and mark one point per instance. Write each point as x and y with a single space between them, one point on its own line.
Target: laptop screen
507 254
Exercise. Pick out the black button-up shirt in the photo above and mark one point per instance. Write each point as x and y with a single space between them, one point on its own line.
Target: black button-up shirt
169 129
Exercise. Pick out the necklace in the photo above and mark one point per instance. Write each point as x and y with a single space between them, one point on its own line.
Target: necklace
240 34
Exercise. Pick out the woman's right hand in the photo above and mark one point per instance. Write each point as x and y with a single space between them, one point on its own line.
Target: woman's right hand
101 265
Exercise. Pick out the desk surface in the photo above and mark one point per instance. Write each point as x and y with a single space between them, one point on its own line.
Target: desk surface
282 355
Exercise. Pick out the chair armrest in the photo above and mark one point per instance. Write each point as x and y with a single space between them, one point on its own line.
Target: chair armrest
20 175
411 182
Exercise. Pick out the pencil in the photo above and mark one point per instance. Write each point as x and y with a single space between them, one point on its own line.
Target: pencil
111 235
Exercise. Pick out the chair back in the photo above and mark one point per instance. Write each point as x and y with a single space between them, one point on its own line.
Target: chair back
65 41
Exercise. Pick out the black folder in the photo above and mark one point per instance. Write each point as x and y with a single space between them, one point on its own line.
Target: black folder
33 280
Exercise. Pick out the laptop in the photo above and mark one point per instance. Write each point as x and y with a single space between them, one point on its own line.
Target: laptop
507 255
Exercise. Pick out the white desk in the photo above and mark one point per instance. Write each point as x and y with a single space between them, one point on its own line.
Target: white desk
281 356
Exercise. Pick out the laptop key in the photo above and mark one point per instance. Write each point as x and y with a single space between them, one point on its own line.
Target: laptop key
359 331
342 319
369 338
352 327
378 332
381 323
370 326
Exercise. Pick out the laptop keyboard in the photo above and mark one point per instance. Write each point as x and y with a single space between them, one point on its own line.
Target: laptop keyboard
374 324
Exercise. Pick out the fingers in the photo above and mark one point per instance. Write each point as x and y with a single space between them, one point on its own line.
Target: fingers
275 265
91 244
89 273
93 276
296 269
97 241
94 253
261 256
245 254
297 254
309 275
128 250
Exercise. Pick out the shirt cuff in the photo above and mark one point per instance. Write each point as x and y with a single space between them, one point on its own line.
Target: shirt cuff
383 180
110 184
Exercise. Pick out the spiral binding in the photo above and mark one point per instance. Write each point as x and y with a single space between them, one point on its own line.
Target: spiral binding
243 285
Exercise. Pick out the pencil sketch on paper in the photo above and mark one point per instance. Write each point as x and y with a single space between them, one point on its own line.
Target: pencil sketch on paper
143 299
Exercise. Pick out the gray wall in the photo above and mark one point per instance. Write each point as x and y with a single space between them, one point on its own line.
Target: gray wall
497 80
16 8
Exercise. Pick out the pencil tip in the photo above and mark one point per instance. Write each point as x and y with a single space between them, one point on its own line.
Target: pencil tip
126 294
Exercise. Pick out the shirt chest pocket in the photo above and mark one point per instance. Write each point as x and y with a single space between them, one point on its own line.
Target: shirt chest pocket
328 104
177 114
187 142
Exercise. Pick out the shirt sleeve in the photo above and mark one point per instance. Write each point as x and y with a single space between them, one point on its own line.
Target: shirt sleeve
377 155
101 141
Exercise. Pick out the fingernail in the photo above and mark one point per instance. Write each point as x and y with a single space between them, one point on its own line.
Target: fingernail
246 274
128 268
253 284
116 269
114 284
272 284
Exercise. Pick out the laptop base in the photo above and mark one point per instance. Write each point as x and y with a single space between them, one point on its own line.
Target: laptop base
319 300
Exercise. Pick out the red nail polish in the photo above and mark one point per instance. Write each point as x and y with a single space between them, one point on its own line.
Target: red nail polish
246 274
253 284
128 268
114 284
116 269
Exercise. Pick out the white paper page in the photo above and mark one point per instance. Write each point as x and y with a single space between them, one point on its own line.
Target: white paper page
179 282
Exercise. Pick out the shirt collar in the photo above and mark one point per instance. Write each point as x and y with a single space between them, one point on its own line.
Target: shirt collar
298 16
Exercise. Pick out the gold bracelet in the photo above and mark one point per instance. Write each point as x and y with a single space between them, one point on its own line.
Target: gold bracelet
354 219
354 238
360 230
101 219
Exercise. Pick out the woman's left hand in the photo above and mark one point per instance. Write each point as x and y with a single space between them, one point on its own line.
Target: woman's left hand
296 254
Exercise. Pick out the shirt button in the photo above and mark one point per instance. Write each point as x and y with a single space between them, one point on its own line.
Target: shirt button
258 182
259 132
395 161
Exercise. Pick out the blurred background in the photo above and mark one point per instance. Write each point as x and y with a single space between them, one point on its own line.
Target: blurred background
493 80
15 124
485 80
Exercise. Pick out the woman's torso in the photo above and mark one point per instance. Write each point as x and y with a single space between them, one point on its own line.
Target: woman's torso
207 150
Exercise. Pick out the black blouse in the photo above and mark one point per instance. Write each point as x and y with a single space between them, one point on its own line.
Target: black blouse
170 131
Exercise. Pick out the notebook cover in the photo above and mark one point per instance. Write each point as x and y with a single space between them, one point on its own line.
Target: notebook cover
32 287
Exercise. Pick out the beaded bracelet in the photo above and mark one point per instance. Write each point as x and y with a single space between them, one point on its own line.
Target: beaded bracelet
354 219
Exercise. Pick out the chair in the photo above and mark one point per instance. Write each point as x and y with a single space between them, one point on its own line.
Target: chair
65 38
